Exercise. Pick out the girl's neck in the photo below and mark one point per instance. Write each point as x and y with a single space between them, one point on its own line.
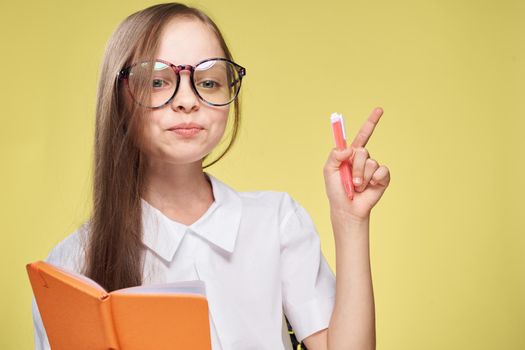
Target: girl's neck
181 192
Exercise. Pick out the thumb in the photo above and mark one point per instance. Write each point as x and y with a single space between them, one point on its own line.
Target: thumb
337 156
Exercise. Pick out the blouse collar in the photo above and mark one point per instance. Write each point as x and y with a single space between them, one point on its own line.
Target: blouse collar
219 225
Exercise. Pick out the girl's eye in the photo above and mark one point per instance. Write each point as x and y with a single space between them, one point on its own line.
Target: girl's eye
208 84
158 83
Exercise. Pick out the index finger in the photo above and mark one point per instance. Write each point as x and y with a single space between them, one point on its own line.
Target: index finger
367 129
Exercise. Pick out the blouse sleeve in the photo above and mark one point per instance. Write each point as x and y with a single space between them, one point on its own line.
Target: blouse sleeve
308 283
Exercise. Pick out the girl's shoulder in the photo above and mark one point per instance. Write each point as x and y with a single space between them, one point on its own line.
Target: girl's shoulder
254 201
278 202
69 253
265 197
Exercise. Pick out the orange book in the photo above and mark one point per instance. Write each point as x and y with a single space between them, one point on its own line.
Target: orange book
79 314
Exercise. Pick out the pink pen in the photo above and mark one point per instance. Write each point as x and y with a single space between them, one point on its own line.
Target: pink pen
338 128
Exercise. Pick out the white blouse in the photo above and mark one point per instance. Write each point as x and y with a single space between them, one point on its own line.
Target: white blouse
259 255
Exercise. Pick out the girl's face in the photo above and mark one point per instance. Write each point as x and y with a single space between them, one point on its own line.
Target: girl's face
184 41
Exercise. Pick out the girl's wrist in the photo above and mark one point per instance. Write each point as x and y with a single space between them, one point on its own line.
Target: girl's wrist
349 227
344 217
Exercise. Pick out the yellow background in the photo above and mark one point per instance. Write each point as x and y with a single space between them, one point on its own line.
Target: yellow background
447 238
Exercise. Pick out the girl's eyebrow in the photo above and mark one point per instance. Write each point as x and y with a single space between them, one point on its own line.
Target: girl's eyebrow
178 63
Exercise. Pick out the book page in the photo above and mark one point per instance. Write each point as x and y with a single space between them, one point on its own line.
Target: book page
195 287
80 277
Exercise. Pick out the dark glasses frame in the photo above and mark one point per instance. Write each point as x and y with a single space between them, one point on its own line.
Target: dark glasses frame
241 71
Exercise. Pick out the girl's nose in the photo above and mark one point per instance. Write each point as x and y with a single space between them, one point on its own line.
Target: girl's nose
185 99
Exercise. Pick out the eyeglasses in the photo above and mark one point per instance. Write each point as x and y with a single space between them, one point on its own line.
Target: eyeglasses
153 84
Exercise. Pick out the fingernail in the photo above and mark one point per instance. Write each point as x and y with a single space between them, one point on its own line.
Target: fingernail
357 180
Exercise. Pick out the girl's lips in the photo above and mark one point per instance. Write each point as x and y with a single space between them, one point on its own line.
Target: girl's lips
187 132
187 126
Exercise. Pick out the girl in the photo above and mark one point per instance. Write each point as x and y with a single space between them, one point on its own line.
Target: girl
166 87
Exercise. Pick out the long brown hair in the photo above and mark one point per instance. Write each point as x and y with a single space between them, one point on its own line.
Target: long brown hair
114 251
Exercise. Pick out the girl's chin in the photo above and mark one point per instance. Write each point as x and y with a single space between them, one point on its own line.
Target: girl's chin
177 159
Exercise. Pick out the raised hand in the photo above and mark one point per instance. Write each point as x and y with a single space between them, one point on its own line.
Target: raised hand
370 179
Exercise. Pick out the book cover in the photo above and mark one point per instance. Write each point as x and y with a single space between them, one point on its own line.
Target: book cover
77 313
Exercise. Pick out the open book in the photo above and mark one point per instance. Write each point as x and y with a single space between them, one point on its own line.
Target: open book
79 314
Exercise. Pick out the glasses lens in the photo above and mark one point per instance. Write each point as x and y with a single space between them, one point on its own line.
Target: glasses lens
217 81
152 83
